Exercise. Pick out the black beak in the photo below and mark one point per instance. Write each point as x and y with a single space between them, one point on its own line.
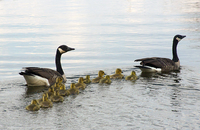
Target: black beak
183 36
70 49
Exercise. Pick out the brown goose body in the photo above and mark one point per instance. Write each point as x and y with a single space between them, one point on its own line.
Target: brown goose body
159 64
156 64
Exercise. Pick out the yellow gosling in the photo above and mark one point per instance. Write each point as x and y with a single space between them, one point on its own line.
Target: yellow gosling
50 92
46 103
73 90
63 91
133 76
56 86
41 99
80 84
56 97
59 83
87 80
117 74
100 76
59 80
34 106
105 80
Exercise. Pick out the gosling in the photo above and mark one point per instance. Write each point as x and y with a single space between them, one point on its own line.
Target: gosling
34 106
63 91
73 90
117 74
46 103
56 97
100 76
87 80
133 76
105 80
80 84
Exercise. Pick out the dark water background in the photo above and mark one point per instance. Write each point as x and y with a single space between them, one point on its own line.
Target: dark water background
106 35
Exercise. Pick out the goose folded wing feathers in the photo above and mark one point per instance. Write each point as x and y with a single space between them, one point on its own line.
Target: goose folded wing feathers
49 74
156 62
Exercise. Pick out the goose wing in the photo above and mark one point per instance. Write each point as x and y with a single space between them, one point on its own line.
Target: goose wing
156 62
47 73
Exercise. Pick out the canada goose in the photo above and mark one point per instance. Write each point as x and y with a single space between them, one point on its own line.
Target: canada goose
36 76
56 97
87 80
117 74
133 76
63 91
34 106
158 64
46 103
73 90
100 76
80 84
105 80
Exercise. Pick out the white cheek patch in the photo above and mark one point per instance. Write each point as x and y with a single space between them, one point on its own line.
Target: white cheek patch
178 39
61 50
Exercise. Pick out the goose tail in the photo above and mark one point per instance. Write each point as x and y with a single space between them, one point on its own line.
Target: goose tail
25 72
149 69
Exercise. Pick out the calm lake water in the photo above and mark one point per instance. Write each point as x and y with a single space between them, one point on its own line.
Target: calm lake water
106 34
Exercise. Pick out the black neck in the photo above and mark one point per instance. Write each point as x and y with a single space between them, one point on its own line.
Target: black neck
58 64
174 50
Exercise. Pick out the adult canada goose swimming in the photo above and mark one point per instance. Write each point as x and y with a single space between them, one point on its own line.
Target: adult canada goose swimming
36 76
158 64
117 74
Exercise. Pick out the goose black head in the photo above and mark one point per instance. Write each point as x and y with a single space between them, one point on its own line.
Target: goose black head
179 37
63 48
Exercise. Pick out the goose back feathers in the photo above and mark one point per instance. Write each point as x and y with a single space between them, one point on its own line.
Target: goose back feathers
158 64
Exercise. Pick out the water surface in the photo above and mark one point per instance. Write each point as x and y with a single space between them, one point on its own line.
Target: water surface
106 35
